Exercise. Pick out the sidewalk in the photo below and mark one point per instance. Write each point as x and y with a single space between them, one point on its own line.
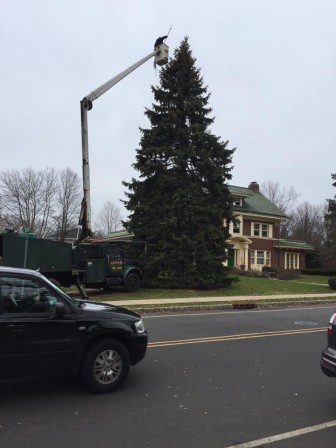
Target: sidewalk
229 299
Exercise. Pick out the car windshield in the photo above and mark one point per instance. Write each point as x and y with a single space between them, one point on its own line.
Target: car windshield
75 302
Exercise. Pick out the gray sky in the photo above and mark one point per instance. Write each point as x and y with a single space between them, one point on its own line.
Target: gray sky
270 65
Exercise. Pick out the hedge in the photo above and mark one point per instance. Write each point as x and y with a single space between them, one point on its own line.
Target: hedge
332 282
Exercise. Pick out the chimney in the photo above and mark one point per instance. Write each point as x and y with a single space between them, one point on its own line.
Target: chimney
254 186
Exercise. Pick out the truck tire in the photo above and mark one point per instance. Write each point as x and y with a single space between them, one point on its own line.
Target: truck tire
132 282
105 366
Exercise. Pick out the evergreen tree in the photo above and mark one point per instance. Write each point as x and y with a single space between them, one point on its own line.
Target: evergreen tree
330 218
181 200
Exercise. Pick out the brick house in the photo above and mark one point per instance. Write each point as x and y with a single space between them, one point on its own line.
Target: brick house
255 235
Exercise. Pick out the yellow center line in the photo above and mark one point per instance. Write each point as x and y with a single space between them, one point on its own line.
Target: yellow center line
235 337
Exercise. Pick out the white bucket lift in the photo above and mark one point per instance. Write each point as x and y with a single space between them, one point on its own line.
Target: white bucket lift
161 56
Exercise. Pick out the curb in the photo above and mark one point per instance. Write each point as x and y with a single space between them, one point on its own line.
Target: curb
230 306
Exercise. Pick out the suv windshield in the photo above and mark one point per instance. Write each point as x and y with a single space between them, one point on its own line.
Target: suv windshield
74 302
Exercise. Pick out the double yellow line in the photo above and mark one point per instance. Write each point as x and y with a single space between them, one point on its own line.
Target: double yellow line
235 337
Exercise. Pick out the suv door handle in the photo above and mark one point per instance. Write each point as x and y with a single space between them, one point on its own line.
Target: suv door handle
16 327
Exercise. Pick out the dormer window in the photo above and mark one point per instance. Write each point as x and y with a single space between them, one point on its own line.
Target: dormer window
238 202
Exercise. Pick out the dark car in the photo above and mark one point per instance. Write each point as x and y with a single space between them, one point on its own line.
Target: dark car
328 359
44 331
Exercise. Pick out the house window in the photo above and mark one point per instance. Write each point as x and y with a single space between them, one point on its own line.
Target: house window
268 258
236 226
261 230
260 257
292 260
264 230
238 202
256 229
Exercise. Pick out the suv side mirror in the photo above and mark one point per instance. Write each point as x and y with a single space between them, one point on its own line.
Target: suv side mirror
60 309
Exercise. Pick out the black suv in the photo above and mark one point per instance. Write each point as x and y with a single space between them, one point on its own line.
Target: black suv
44 331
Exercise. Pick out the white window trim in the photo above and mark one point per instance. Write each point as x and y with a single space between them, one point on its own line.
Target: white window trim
296 260
240 218
255 264
270 230
240 202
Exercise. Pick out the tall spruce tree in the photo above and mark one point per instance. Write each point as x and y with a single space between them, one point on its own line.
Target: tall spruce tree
330 242
181 200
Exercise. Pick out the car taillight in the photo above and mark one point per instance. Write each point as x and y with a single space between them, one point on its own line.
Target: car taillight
331 323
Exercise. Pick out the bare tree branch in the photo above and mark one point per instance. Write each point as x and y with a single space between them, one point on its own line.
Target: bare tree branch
67 203
108 219
28 197
308 224
284 198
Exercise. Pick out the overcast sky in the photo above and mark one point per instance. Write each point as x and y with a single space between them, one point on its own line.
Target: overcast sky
270 65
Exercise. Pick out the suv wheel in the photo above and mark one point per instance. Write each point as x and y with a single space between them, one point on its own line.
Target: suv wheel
105 366
132 282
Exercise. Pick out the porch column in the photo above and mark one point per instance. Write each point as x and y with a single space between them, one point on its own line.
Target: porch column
246 259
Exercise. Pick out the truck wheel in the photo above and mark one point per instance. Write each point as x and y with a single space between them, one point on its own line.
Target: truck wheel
105 366
132 282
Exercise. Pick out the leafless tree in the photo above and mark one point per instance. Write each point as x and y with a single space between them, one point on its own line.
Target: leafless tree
284 198
108 219
308 224
48 199
3 219
28 197
67 203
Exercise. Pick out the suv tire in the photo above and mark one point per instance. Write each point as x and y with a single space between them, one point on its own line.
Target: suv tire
326 372
132 282
105 366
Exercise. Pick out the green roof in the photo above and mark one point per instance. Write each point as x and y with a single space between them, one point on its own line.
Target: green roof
241 191
120 235
294 244
255 203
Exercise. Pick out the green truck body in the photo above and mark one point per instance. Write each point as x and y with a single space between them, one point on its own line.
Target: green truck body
95 265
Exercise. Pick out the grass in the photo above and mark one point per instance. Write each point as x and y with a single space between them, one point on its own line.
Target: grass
314 279
246 286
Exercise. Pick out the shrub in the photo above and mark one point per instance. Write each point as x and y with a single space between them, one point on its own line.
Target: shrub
237 271
251 273
330 272
288 274
332 282
271 272
257 273
268 269
264 273
230 279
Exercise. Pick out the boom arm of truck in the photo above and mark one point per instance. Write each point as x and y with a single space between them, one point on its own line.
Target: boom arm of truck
161 57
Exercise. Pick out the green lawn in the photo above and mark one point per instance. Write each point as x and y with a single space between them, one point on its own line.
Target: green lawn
246 286
314 279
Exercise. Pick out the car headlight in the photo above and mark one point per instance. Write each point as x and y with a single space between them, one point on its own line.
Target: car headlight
140 326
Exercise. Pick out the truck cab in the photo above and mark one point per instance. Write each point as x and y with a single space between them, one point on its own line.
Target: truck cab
105 265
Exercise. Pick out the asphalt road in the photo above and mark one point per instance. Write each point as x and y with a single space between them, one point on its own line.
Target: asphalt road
212 393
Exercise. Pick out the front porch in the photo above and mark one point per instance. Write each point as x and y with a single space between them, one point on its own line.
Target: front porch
238 255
